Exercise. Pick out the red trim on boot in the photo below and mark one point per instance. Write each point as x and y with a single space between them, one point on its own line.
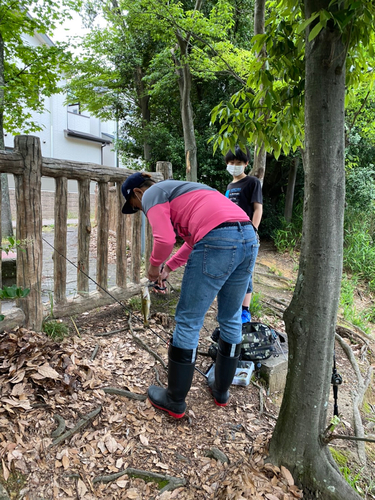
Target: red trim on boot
220 404
171 413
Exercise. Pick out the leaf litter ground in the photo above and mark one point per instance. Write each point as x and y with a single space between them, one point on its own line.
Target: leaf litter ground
40 379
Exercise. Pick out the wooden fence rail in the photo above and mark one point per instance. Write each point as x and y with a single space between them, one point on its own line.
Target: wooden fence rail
28 166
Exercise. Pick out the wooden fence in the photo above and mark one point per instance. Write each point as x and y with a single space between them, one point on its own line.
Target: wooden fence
28 166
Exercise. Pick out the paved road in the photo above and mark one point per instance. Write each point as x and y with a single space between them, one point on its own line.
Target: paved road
72 244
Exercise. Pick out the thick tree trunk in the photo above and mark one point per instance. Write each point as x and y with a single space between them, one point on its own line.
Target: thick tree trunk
311 316
6 216
289 197
260 155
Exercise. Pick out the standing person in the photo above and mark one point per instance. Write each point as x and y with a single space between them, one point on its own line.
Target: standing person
246 192
220 249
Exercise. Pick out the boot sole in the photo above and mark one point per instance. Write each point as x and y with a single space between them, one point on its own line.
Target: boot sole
220 404
171 413
217 402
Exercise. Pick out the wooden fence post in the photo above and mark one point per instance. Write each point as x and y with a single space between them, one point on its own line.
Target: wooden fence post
121 256
102 236
29 229
60 240
84 231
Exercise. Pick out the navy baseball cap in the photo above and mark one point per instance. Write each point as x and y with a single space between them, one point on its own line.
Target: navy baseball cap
133 181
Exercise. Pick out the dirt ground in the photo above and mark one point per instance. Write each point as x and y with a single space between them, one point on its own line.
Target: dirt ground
215 453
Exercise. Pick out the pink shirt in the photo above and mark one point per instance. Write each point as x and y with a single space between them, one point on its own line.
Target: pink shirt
192 210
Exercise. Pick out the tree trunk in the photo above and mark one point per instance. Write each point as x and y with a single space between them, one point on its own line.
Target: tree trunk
311 316
184 83
288 210
143 100
260 155
6 216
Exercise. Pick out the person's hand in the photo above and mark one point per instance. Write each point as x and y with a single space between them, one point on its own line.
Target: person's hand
162 278
153 273
164 275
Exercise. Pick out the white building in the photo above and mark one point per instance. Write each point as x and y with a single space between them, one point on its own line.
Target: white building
68 134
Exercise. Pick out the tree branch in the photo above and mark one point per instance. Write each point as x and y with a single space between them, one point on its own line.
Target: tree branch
358 397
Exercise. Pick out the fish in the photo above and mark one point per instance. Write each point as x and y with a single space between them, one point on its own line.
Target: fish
146 303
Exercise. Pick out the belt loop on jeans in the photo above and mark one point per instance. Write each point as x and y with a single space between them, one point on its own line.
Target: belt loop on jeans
231 224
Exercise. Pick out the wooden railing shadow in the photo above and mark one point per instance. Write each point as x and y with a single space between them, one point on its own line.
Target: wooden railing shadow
28 166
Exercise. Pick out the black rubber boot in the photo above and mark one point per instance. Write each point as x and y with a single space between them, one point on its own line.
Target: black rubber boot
225 369
180 375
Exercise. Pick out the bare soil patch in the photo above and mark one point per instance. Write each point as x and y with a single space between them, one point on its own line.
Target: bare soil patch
40 379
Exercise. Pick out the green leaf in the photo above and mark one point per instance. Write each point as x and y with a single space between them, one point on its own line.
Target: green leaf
315 31
306 23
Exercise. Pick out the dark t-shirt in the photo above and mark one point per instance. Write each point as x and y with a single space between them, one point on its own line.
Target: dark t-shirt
245 193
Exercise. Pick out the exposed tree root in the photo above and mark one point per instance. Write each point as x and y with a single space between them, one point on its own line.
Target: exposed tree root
363 384
125 393
108 334
324 482
95 352
81 424
158 378
350 333
173 482
60 427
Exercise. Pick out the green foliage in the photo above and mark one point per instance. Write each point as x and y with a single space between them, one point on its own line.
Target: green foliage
270 107
347 304
255 304
129 70
30 73
359 245
289 236
56 330
339 456
352 478
369 314
13 292
135 303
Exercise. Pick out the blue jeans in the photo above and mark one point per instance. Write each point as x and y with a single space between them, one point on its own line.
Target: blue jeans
219 265
250 284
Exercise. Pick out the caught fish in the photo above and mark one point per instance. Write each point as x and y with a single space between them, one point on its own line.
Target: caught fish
146 303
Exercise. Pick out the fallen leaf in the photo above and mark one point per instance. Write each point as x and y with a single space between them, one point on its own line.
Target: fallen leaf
143 439
48 372
288 476
65 462
5 471
122 483
133 494
18 377
17 403
162 466
111 444
81 488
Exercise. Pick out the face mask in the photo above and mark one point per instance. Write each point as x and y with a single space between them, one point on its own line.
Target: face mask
235 169
140 201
